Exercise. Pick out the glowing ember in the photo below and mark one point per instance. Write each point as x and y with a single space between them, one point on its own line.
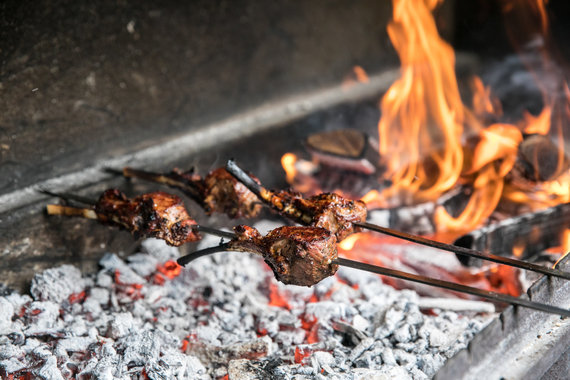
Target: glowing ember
301 353
170 269
276 298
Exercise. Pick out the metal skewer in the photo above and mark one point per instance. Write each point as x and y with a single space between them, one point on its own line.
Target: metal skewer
265 195
68 196
493 296
466 251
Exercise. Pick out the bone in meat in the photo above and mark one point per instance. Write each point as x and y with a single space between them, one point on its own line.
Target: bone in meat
297 255
159 215
217 192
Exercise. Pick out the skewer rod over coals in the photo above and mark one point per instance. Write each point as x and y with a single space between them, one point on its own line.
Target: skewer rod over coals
493 296
265 195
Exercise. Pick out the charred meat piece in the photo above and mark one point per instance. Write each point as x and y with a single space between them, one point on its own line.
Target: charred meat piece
329 210
225 194
159 215
217 192
297 255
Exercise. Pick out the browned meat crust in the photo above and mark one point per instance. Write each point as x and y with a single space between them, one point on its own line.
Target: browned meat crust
219 191
328 210
159 215
297 255
225 194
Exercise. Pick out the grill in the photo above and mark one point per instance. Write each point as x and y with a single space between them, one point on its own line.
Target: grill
94 88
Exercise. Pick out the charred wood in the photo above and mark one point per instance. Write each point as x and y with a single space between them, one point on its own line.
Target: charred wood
529 233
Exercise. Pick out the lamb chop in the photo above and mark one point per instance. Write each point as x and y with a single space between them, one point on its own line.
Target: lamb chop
297 255
159 215
329 210
219 191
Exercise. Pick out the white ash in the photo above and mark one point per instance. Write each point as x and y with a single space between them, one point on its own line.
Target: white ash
215 319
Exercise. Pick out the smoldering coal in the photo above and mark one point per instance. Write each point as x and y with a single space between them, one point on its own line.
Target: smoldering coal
223 315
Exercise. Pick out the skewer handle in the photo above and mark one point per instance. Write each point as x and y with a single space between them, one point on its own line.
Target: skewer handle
71 211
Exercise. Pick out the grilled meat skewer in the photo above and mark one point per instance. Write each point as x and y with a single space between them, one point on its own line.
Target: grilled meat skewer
297 255
329 211
219 191
306 255
159 215
308 212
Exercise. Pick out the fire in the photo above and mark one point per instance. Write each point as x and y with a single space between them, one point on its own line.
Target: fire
349 242
288 162
422 115
431 142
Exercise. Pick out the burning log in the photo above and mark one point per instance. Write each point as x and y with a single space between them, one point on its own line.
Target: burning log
524 235
539 159
345 149
159 215
217 192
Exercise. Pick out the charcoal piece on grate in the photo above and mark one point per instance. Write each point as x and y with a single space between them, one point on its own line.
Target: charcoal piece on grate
525 235
345 149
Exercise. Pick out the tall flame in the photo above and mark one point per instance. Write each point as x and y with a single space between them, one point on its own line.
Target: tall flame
430 142
422 114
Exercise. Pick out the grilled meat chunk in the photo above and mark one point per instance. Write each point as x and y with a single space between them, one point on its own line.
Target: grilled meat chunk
225 194
217 192
328 210
159 215
297 255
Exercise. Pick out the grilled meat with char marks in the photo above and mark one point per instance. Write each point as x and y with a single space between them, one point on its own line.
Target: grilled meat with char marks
225 194
217 192
328 210
297 255
159 215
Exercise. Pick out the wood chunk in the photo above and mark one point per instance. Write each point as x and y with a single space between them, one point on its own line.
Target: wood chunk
346 149
538 159
532 233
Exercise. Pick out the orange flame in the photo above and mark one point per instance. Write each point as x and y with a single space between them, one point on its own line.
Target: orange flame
430 142
422 114
288 162
483 101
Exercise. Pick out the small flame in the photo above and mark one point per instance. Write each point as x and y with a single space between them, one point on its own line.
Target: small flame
288 163
348 243
483 101
360 74
518 249
538 124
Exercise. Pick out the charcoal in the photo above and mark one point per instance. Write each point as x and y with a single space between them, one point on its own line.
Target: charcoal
223 315
57 284
120 326
6 313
